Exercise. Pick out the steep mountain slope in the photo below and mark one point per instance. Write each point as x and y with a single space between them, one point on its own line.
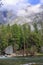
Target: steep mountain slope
6 16
27 15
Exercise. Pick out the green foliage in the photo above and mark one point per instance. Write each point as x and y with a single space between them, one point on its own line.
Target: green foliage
20 37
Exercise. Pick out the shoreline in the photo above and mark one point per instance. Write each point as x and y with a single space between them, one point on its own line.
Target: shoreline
17 55
20 55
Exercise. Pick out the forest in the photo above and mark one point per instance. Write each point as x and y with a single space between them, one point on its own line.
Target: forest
22 38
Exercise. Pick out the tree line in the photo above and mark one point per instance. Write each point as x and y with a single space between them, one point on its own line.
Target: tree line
21 37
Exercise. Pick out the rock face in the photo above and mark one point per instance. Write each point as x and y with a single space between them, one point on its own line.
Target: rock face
9 50
25 15
42 49
6 16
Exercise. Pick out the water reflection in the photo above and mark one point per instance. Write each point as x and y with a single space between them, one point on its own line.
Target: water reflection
33 64
22 61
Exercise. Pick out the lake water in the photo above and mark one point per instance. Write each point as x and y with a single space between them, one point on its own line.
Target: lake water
22 61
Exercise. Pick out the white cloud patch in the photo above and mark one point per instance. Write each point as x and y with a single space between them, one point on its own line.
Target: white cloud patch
13 2
34 8
10 2
41 1
29 10
22 7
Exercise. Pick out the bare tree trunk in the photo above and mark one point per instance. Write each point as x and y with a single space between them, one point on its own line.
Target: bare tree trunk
24 50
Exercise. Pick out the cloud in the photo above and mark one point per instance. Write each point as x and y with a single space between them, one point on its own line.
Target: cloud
41 1
10 2
23 7
13 2
29 10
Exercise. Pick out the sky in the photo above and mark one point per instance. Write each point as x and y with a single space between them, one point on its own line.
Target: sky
21 5
14 2
34 2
